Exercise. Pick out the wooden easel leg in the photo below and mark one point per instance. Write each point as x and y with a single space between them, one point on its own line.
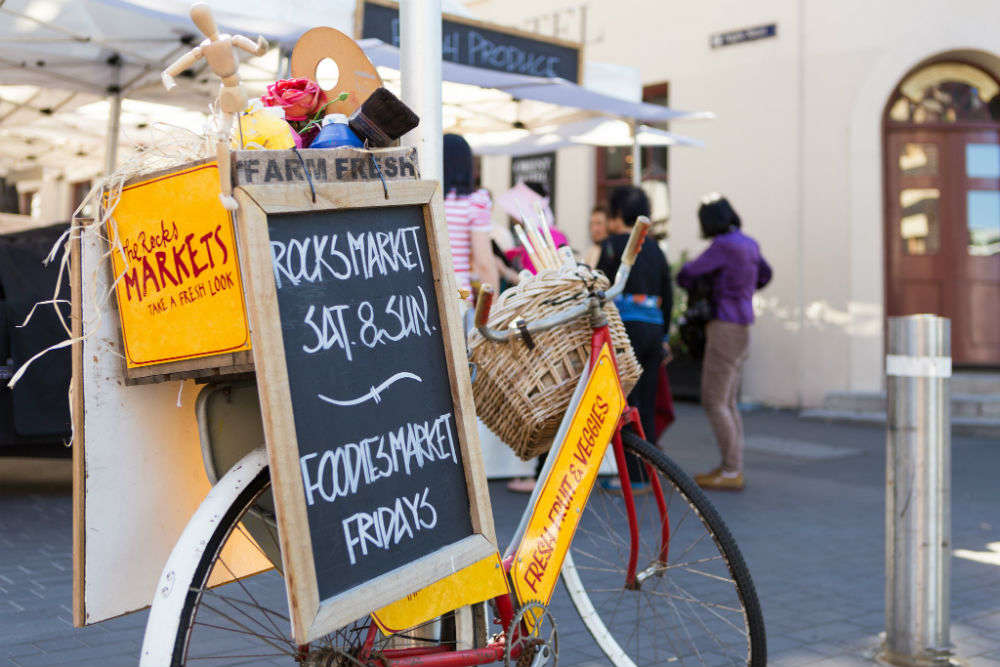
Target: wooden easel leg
224 159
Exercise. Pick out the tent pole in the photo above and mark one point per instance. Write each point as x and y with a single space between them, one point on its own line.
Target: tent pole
636 155
420 71
114 116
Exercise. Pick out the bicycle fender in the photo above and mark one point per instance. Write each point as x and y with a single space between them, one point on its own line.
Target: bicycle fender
178 573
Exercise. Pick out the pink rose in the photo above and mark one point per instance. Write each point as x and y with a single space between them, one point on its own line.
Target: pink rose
300 98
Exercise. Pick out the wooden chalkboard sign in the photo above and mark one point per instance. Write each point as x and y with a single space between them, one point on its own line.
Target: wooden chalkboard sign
365 393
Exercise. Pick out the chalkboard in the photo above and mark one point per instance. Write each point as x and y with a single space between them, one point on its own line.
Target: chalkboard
378 449
481 45
537 168
365 394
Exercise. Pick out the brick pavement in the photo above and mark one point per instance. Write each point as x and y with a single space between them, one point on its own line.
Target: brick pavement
809 525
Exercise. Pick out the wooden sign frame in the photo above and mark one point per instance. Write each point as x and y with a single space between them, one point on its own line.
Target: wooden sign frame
311 617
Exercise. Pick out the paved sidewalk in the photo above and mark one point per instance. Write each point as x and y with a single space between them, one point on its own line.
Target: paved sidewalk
810 525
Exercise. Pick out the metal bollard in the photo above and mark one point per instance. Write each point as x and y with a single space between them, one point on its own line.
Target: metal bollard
918 492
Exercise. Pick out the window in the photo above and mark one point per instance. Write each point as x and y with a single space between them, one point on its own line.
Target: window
918 224
614 164
946 93
983 220
30 203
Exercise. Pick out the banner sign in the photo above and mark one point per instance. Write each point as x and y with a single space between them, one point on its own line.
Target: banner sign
324 165
480 44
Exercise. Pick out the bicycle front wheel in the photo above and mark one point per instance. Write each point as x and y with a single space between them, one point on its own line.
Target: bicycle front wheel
245 622
693 602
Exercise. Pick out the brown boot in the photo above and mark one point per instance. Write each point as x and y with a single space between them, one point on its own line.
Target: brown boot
720 480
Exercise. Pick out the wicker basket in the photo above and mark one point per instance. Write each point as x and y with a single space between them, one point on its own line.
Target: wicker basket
522 394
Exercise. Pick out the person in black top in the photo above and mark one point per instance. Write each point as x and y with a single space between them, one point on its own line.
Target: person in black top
645 308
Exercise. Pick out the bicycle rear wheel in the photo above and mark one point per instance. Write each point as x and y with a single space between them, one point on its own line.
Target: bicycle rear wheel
699 607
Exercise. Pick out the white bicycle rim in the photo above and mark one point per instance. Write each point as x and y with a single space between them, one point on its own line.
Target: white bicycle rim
178 574
590 617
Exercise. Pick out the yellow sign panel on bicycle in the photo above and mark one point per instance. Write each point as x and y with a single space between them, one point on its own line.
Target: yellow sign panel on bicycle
553 522
180 295
475 583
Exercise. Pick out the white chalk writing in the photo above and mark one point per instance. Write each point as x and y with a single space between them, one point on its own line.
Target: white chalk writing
366 255
340 472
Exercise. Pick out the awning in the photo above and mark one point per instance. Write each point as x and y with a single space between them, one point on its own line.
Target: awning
67 55
591 132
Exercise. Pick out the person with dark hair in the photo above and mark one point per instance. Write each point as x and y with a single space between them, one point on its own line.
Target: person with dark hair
644 306
598 232
467 212
735 268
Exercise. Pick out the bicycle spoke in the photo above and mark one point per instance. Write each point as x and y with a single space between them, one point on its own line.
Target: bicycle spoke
235 608
239 581
704 627
714 605
690 599
256 634
249 604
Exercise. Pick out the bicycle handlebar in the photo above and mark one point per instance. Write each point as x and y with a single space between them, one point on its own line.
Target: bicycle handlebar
486 294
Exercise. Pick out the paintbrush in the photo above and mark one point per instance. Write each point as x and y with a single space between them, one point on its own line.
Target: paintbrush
541 250
530 249
546 232
382 119
540 246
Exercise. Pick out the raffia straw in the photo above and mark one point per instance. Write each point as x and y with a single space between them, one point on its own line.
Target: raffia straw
172 146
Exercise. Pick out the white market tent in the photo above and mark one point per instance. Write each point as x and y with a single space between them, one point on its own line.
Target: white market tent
66 57
67 67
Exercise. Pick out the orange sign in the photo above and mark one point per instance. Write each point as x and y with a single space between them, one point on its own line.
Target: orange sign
180 295
553 522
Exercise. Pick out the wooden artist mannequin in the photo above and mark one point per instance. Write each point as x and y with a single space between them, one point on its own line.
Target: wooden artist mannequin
217 50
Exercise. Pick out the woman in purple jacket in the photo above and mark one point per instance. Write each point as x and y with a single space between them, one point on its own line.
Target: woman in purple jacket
734 266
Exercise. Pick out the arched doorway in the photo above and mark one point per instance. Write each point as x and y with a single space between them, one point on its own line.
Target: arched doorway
942 180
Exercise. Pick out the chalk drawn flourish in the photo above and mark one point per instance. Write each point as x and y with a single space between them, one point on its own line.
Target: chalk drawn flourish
375 394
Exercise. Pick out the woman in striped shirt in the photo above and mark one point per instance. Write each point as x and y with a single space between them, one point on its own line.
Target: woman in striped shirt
467 212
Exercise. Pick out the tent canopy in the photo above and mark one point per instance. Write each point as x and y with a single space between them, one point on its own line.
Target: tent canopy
64 56
591 132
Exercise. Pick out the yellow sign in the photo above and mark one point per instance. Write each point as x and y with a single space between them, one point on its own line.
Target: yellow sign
553 522
480 581
180 295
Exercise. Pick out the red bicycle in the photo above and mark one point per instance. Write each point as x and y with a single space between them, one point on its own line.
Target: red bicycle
656 578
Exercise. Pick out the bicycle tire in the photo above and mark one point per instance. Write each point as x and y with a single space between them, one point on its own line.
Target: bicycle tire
271 621
590 578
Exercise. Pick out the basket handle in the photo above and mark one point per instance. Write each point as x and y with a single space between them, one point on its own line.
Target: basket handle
635 240
483 304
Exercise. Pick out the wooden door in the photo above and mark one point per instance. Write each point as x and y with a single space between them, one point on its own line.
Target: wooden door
943 234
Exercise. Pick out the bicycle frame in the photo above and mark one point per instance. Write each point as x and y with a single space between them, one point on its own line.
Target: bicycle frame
601 348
